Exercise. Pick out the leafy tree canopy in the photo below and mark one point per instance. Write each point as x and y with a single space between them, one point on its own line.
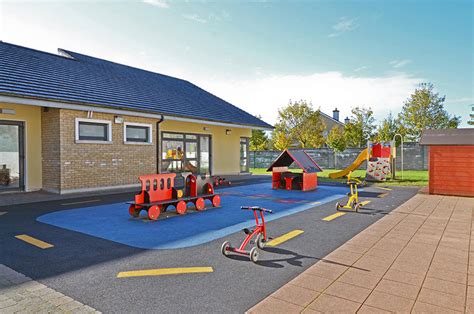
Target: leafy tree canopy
360 127
387 129
336 139
259 139
298 125
424 109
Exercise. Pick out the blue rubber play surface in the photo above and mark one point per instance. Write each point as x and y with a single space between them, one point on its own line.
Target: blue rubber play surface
113 222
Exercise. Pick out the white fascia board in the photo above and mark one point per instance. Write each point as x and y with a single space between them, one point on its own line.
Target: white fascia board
61 105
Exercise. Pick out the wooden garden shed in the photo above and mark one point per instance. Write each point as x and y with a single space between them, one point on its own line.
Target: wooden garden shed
451 161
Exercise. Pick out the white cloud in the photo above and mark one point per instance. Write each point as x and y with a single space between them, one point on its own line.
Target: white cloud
362 68
195 18
343 25
399 63
158 3
264 96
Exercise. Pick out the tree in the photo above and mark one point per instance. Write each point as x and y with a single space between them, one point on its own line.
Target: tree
298 124
259 139
424 109
336 139
387 129
280 140
360 127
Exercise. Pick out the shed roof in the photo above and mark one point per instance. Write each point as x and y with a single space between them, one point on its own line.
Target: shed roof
300 157
75 78
448 137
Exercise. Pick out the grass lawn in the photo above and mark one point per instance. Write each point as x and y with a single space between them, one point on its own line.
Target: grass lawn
410 177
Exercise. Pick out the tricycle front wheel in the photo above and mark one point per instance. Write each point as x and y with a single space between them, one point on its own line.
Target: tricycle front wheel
260 241
254 254
225 248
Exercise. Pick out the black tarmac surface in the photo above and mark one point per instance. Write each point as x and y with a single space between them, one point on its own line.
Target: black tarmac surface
85 268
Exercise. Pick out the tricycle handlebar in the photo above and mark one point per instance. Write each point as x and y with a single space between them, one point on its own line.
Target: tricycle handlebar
256 208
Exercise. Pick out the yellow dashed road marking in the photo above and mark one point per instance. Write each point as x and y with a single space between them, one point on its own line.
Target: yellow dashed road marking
383 188
81 202
284 238
364 203
334 216
34 241
164 271
382 195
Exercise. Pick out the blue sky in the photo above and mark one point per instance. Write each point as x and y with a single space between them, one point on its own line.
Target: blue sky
258 55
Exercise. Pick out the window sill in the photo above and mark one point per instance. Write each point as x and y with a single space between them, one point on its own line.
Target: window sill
137 143
92 142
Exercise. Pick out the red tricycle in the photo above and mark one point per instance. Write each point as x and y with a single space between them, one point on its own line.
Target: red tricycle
259 231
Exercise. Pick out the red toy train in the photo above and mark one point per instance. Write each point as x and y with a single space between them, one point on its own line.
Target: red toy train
158 192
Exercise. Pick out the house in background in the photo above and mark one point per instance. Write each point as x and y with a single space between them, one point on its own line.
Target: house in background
331 122
71 123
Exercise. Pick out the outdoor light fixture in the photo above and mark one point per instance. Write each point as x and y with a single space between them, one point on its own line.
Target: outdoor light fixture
227 132
7 111
118 119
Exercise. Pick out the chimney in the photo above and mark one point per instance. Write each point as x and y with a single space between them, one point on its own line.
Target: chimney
335 114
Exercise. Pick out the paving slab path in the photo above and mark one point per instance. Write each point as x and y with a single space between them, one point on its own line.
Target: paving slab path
21 294
418 259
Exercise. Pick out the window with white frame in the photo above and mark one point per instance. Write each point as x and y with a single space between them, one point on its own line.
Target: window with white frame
137 132
93 130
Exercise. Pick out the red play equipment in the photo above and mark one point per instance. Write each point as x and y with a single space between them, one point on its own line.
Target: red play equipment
259 231
158 192
221 181
282 178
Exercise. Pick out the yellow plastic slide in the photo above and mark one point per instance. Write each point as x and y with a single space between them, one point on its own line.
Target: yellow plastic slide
356 164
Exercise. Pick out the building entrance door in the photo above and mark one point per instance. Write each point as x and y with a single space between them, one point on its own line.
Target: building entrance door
11 155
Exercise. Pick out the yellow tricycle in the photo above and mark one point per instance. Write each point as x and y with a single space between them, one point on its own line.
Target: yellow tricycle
353 201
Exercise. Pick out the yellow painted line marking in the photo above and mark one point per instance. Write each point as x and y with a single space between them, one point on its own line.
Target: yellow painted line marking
164 271
334 216
284 238
386 189
34 241
81 202
315 203
382 195
364 203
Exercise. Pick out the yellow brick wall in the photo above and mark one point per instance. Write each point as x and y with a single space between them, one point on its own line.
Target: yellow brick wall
51 148
86 166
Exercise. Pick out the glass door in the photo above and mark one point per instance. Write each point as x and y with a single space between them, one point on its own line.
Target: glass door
244 154
11 155
185 152
205 154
